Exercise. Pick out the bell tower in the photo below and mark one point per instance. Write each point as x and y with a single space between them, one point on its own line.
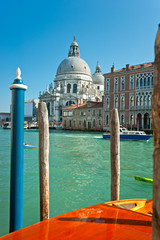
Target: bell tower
74 49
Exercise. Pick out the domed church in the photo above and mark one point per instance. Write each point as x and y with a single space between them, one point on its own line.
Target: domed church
73 82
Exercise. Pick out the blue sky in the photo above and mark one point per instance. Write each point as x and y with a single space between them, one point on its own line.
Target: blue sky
36 36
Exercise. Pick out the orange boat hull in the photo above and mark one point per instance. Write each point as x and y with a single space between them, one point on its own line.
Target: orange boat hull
96 222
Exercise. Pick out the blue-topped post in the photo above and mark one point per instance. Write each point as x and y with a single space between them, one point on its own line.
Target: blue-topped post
17 141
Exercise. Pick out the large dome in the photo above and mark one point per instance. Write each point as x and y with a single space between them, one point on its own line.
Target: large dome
73 65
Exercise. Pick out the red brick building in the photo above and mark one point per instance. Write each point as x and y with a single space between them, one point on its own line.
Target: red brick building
130 91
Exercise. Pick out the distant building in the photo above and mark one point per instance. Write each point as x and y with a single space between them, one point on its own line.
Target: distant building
5 117
129 90
83 116
30 110
73 80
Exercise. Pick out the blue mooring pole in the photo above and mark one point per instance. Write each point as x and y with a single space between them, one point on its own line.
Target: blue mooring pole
17 141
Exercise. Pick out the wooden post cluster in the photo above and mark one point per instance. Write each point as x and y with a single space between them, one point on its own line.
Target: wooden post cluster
115 156
156 135
43 160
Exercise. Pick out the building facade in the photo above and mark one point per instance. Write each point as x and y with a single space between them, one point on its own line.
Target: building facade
5 117
73 81
30 110
129 90
83 116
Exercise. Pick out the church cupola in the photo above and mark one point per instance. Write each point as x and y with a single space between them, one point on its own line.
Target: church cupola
98 77
74 49
98 68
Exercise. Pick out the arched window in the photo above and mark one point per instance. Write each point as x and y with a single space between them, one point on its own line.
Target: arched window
145 82
131 120
107 103
122 119
137 83
116 102
149 100
74 88
122 102
141 82
107 120
132 101
123 85
141 101
149 81
145 101
94 123
107 85
116 85
69 88
137 101
132 83
69 103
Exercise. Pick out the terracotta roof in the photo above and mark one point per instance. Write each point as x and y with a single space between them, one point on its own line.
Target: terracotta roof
84 105
73 106
133 67
94 105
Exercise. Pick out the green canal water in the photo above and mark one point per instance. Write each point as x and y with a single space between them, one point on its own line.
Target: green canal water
79 173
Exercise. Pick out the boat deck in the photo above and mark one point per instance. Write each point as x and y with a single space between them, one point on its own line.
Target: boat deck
96 222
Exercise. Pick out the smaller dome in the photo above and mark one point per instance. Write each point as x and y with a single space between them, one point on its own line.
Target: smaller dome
98 77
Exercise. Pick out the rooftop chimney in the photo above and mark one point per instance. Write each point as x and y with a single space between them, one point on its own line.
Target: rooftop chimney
127 67
112 69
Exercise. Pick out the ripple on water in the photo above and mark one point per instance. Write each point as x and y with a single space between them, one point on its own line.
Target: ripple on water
79 172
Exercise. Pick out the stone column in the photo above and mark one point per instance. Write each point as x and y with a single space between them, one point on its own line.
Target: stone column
150 121
142 121
50 108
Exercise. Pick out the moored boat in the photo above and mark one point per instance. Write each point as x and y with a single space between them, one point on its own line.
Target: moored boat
130 135
143 179
29 146
101 221
6 125
136 205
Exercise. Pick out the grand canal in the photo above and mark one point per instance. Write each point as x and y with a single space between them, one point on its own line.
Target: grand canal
79 172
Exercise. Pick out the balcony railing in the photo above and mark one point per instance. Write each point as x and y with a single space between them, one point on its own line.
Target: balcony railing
143 107
144 87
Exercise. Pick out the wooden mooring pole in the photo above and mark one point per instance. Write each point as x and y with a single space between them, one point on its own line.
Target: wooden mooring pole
115 156
156 135
43 160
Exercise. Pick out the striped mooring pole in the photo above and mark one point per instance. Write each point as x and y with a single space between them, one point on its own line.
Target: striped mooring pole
17 142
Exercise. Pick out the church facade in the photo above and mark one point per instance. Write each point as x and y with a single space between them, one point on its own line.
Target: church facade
73 81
